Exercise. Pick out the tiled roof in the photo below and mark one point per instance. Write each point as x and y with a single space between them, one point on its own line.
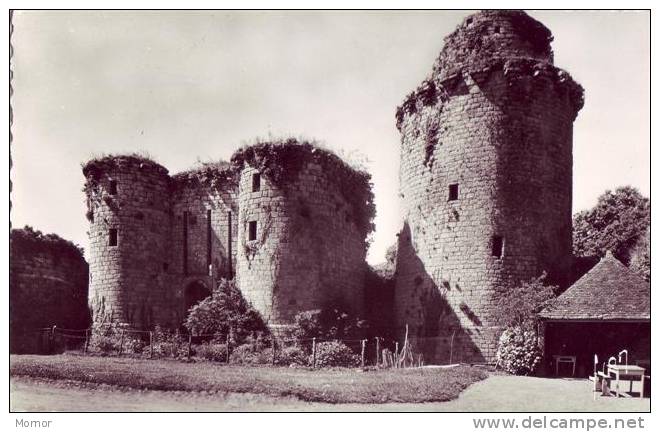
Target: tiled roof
609 291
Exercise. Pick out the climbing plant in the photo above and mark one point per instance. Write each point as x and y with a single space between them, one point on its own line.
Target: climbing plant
281 161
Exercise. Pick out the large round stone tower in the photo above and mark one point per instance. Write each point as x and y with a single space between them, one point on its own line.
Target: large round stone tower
304 216
485 181
129 231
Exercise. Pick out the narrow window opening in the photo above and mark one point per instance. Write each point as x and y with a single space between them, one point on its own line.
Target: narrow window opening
498 246
252 230
113 187
453 192
112 241
256 182
497 29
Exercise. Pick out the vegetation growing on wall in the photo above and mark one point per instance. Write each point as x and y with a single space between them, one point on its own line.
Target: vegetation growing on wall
214 175
96 166
28 241
94 169
281 161
426 94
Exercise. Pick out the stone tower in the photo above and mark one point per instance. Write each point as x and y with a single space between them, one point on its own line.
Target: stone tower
485 181
302 230
129 214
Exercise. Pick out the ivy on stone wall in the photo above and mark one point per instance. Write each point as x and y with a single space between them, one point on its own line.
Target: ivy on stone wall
214 175
281 161
95 168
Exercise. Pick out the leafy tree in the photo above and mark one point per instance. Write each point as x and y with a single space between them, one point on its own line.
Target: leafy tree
518 305
616 223
225 309
640 259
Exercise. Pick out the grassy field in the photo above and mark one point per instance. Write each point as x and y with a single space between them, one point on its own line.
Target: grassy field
332 386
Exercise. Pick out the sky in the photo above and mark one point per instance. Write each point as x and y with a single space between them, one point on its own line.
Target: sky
188 86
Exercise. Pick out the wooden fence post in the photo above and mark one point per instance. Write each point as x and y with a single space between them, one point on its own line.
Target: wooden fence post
364 344
396 354
227 345
274 349
377 349
189 345
313 353
121 342
151 344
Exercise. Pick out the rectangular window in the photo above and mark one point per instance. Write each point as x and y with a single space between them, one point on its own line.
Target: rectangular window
498 246
113 187
112 241
453 192
252 230
256 182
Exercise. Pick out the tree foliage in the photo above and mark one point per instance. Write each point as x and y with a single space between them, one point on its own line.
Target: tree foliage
328 323
225 309
616 223
640 259
519 305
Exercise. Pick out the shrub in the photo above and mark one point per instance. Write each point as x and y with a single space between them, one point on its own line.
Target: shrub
328 323
103 344
225 309
292 356
247 354
212 351
335 353
518 351
168 343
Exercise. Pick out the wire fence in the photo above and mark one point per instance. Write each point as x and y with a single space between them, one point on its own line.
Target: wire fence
372 351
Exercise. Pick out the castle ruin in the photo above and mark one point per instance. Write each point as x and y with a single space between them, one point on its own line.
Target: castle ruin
289 220
485 180
485 183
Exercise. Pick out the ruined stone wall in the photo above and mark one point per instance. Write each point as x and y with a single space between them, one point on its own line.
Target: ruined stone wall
198 241
130 282
308 252
48 286
495 118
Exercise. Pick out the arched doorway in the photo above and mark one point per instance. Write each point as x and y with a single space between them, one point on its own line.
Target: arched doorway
195 292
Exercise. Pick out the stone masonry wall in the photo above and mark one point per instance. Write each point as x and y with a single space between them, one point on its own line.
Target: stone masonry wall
130 282
196 202
47 288
308 252
500 127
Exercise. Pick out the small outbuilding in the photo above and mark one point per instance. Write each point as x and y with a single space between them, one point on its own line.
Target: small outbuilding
606 311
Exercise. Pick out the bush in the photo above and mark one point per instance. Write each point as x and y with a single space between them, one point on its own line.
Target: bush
328 323
103 344
211 351
225 310
292 356
247 354
518 351
108 340
335 353
168 343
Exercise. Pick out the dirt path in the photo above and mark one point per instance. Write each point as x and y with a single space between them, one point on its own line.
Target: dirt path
497 393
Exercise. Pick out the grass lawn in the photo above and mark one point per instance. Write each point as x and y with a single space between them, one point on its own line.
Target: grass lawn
324 385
